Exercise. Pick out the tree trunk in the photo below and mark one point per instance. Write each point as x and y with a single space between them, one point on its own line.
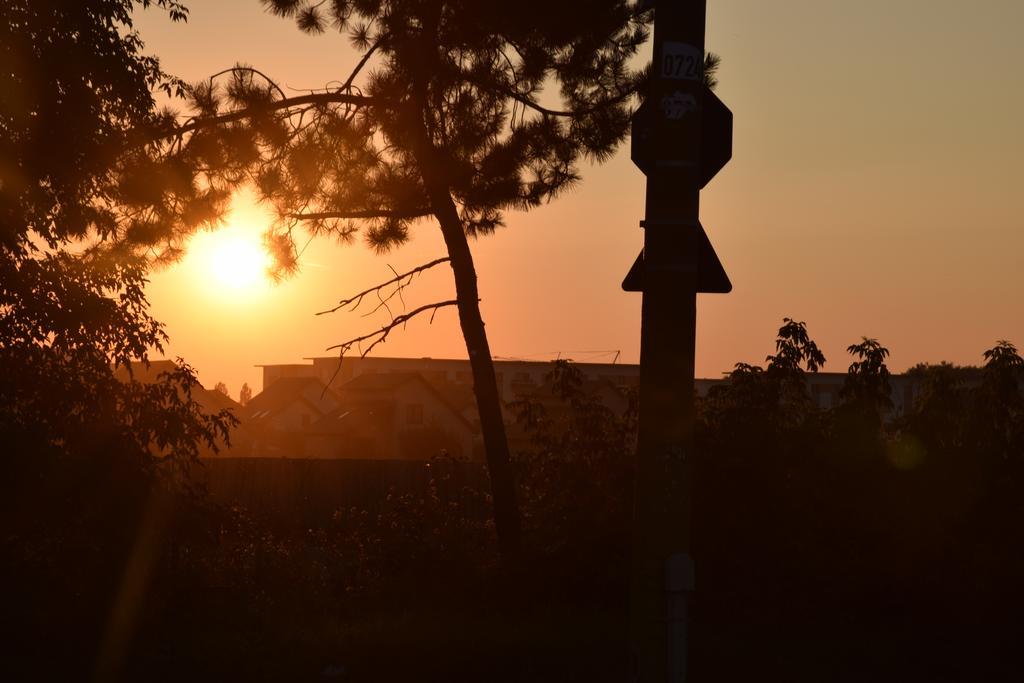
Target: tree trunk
485 386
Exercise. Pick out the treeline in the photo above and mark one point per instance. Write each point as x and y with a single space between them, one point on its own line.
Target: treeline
840 544
852 543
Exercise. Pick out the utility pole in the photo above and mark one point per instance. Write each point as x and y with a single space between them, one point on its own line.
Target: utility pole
682 136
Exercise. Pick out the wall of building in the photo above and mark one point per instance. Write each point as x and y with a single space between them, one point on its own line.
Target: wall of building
517 376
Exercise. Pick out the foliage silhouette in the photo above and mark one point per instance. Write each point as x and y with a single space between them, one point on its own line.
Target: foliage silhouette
760 405
87 447
812 557
861 518
867 380
71 314
575 442
77 95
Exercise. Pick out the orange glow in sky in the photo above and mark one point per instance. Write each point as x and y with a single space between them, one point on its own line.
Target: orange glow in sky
873 191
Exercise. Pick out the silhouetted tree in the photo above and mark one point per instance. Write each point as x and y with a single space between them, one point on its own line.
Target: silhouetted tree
575 442
448 123
77 95
83 443
759 405
997 414
222 388
244 394
865 402
940 403
867 380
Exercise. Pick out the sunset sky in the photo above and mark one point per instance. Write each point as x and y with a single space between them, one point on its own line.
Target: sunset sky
874 191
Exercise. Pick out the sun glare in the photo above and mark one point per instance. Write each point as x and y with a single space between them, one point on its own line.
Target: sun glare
231 258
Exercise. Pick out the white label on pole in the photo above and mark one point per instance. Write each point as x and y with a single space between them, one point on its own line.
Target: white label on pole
680 61
677 105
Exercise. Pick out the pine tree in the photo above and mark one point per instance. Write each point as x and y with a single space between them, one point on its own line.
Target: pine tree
456 112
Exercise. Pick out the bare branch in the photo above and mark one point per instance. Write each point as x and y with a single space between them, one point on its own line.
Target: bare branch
380 335
383 304
399 286
410 213
400 280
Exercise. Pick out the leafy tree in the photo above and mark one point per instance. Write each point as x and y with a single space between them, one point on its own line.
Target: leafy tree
867 380
793 348
244 394
865 402
78 93
85 444
939 412
222 388
574 442
758 404
998 411
449 115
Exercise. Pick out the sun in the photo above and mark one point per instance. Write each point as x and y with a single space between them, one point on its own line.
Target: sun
231 258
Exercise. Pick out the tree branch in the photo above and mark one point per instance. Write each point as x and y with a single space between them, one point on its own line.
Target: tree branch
529 103
248 69
532 104
361 64
286 103
410 213
380 335
357 299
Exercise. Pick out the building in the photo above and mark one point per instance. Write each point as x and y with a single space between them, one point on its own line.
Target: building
291 404
392 416
518 377
396 408
514 376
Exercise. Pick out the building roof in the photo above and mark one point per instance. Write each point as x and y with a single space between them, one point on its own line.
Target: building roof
354 417
373 381
286 391
389 381
212 399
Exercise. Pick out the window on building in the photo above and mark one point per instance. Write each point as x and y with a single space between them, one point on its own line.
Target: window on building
414 414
